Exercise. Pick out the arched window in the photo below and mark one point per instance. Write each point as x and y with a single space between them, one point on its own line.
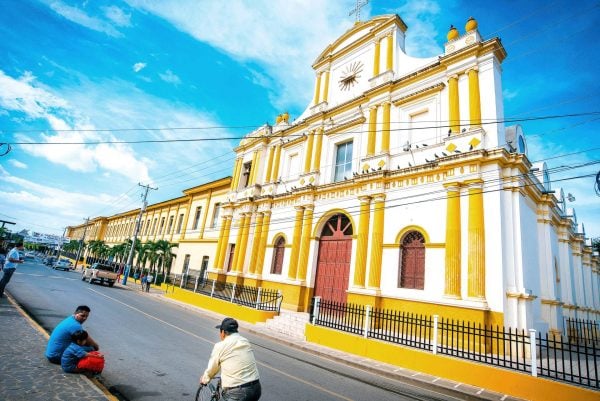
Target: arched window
278 251
412 261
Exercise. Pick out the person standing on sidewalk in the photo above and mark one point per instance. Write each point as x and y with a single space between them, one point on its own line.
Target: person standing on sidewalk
10 265
234 357
60 338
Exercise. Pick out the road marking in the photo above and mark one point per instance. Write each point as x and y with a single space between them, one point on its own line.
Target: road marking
213 342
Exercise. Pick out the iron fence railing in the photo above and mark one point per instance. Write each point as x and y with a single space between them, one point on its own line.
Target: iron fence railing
253 297
540 354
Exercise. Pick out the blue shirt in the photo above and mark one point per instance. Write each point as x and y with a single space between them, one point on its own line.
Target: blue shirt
12 254
60 338
72 355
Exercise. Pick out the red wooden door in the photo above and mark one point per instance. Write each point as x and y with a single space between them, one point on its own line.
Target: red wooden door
333 263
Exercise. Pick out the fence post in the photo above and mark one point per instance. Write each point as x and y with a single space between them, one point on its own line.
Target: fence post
258 297
435 334
196 285
367 321
212 291
233 293
533 352
316 309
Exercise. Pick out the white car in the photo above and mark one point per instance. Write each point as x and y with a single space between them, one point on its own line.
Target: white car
62 265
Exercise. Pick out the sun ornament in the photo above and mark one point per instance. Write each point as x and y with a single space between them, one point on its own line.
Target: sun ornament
350 75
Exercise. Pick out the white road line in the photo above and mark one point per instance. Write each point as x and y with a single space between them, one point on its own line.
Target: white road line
213 342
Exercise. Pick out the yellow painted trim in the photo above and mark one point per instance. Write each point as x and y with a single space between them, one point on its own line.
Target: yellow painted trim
480 375
318 227
346 126
217 305
276 237
419 95
376 56
406 229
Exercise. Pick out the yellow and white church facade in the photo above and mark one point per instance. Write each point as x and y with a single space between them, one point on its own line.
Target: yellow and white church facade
401 187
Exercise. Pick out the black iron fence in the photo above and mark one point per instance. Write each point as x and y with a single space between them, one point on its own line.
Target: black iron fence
551 355
580 331
253 297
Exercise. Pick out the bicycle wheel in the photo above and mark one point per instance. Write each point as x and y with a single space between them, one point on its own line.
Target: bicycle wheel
207 393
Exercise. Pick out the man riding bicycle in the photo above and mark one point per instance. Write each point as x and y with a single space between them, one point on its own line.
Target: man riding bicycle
234 357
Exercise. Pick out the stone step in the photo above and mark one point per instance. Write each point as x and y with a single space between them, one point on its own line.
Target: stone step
288 323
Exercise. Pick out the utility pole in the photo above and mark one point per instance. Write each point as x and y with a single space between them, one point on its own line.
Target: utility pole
136 231
60 244
80 244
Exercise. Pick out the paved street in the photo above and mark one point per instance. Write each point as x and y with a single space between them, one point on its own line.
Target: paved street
155 349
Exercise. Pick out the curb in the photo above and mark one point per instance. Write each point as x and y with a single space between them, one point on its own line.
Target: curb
92 381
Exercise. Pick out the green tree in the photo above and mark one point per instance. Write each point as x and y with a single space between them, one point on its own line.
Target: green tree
165 256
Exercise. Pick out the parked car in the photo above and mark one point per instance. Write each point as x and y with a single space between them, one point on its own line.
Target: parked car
62 265
29 256
100 273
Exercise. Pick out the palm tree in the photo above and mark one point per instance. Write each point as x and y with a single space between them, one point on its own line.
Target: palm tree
163 248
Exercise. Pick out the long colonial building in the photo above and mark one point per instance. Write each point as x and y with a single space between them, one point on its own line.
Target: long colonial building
399 187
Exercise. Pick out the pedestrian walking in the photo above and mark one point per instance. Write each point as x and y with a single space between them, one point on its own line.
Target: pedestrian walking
144 281
149 279
10 265
136 275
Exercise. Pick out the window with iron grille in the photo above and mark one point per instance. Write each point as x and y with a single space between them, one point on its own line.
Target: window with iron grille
412 261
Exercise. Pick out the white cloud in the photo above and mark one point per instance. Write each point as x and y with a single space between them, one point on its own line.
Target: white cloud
17 164
284 40
27 96
117 15
420 17
170 77
137 67
26 199
510 94
78 16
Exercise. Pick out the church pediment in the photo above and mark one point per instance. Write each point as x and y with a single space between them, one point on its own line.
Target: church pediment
361 32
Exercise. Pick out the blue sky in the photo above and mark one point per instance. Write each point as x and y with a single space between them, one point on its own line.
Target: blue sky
106 71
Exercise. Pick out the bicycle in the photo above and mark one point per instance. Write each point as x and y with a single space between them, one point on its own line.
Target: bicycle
210 391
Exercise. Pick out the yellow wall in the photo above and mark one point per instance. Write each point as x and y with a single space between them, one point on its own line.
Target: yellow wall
480 375
217 305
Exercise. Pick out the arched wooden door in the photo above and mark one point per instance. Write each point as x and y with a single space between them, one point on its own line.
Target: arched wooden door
333 264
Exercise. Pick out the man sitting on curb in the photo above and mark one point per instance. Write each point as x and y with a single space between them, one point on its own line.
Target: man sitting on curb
60 338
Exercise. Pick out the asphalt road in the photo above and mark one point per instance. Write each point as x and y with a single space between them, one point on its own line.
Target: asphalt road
156 350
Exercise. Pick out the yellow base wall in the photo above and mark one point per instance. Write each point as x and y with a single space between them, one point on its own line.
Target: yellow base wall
480 375
485 317
218 305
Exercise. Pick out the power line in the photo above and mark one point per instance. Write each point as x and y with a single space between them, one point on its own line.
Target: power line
184 140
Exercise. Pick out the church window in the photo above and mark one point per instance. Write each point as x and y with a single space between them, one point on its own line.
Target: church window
343 162
412 261
278 252
247 168
293 166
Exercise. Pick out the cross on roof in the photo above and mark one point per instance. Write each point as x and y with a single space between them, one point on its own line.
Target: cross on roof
356 10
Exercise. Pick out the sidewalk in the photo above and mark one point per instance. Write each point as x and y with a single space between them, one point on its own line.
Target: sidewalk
25 374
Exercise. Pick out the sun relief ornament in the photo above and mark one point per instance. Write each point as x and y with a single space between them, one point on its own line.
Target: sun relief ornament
350 75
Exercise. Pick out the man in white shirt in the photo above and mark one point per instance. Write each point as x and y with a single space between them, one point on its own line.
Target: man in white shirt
10 265
234 357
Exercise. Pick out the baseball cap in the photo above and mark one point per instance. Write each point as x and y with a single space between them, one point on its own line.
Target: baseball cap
228 325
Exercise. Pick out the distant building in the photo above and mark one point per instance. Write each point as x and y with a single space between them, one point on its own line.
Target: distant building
399 187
